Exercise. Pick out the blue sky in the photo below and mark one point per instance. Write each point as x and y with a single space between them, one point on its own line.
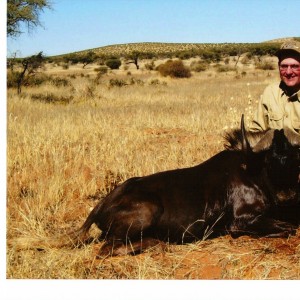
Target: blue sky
74 25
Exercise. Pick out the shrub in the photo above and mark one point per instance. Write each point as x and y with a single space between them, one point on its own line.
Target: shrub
185 54
51 98
136 81
36 79
101 70
264 65
117 82
226 60
150 66
157 82
210 55
224 68
199 66
12 79
71 58
113 63
58 82
174 69
154 82
245 60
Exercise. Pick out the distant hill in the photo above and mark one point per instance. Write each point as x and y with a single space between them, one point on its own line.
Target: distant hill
151 49
282 40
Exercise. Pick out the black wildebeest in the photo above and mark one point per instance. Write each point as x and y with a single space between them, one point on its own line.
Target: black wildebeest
236 191
241 190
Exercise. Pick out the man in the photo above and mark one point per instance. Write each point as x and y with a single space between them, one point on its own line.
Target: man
279 105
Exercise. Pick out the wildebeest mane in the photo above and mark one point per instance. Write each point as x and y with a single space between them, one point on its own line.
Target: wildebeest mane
259 141
233 139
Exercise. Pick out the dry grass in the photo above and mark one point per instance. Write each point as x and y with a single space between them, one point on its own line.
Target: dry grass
62 158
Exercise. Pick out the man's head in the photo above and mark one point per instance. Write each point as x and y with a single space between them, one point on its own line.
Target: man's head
289 65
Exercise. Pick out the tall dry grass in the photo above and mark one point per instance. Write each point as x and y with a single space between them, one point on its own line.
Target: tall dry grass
63 157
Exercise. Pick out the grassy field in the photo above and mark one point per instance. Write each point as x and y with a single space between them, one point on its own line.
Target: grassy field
69 144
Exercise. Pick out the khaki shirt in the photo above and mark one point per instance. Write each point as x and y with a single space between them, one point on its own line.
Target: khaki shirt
276 110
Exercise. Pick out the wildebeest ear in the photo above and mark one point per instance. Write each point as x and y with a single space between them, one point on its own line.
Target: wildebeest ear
265 142
292 137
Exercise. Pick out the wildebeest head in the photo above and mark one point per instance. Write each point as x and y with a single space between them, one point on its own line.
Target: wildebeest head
282 161
277 157
273 155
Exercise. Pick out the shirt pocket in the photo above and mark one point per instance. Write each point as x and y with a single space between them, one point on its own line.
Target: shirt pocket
276 120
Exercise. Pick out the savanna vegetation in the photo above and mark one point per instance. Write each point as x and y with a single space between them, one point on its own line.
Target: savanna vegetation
75 131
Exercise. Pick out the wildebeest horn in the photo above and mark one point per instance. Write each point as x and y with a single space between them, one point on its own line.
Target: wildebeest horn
265 142
245 143
293 138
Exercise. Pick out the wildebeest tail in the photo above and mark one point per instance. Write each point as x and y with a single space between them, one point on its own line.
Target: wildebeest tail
72 239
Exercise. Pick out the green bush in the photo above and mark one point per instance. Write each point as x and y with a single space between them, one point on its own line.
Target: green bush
113 63
174 69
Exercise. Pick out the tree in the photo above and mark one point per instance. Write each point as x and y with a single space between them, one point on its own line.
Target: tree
87 58
134 55
71 58
29 67
27 12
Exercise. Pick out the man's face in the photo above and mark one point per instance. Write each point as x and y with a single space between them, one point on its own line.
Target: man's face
289 69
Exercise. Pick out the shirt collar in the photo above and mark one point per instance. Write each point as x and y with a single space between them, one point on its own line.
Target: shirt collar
293 97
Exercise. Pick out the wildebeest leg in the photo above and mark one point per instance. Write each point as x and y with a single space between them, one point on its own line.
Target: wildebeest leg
249 211
261 226
129 223
115 248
